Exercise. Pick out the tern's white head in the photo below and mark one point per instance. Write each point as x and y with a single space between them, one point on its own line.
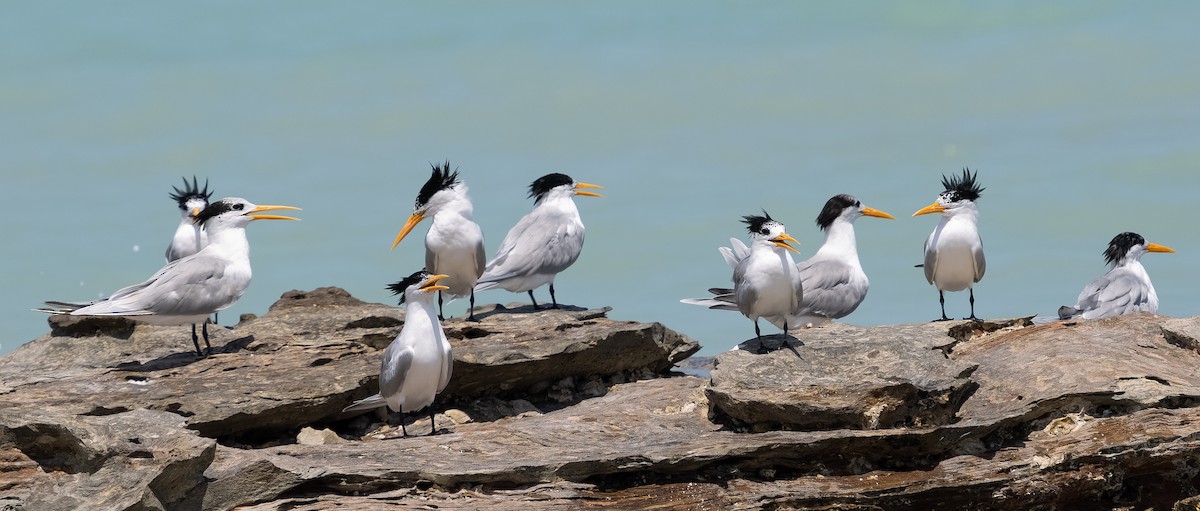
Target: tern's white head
766 230
191 199
1129 246
233 212
848 208
553 186
960 195
418 287
442 188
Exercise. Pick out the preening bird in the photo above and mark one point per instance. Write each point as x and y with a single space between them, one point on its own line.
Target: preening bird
543 243
417 365
1125 288
189 237
833 280
189 289
766 281
954 251
454 244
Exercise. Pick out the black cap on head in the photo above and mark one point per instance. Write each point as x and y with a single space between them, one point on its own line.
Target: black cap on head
756 224
190 191
834 208
964 187
216 208
1120 245
544 184
439 180
416 278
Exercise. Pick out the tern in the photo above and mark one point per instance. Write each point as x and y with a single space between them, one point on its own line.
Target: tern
543 243
1125 288
189 289
833 280
954 251
189 236
454 244
417 365
766 281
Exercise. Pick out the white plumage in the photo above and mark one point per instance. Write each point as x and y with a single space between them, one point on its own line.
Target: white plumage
1125 288
954 251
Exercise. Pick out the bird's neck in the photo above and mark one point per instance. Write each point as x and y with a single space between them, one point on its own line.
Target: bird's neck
840 239
420 310
560 204
229 241
456 207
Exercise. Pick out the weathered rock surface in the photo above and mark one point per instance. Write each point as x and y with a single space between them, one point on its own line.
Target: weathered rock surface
568 409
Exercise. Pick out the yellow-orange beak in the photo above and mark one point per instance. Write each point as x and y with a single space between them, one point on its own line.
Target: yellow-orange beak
876 213
932 208
430 283
782 239
1155 247
193 212
271 217
587 185
412 222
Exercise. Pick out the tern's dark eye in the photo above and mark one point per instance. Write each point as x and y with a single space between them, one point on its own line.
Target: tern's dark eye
238 207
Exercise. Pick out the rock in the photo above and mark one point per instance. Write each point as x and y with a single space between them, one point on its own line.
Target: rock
310 436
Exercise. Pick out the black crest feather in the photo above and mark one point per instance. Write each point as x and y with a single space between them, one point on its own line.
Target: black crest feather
756 224
544 184
215 209
441 179
399 287
190 191
963 187
834 208
1120 245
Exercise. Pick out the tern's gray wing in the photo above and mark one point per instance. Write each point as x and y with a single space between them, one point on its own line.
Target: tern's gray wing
1113 294
480 258
397 359
189 286
828 290
980 262
447 366
430 259
538 244
930 259
745 295
370 403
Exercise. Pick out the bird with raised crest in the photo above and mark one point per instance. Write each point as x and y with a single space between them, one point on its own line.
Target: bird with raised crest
418 363
189 237
544 242
454 243
1125 288
954 251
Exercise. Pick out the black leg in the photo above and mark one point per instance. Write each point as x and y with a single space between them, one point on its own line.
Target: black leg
535 307
204 328
432 426
471 311
554 302
440 317
973 318
196 341
757 332
942 300
403 430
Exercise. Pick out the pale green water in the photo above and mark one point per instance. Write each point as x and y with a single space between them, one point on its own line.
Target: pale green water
1083 119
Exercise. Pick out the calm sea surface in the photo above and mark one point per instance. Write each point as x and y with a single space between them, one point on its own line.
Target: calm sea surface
1082 118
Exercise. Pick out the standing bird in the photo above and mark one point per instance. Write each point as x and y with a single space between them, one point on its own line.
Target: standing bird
417 364
189 289
954 252
189 236
834 283
454 244
543 243
1125 288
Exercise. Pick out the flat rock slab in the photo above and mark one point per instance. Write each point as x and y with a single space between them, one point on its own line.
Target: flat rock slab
311 355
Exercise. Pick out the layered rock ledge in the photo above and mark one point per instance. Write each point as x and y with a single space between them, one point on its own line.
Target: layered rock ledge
563 409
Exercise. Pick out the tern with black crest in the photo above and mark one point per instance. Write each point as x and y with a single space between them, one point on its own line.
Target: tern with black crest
189 237
454 243
189 289
544 242
1125 288
954 251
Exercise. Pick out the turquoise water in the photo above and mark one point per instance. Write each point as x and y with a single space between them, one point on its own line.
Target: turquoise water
1082 119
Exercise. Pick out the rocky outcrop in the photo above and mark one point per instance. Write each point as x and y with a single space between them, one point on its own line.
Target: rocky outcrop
565 409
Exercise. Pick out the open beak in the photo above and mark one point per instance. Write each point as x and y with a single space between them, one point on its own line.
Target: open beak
932 208
1155 247
271 217
587 185
781 242
412 222
430 283
877 213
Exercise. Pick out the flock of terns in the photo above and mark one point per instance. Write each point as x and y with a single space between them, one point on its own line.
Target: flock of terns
208 270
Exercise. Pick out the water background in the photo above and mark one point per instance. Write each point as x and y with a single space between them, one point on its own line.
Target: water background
1082 118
